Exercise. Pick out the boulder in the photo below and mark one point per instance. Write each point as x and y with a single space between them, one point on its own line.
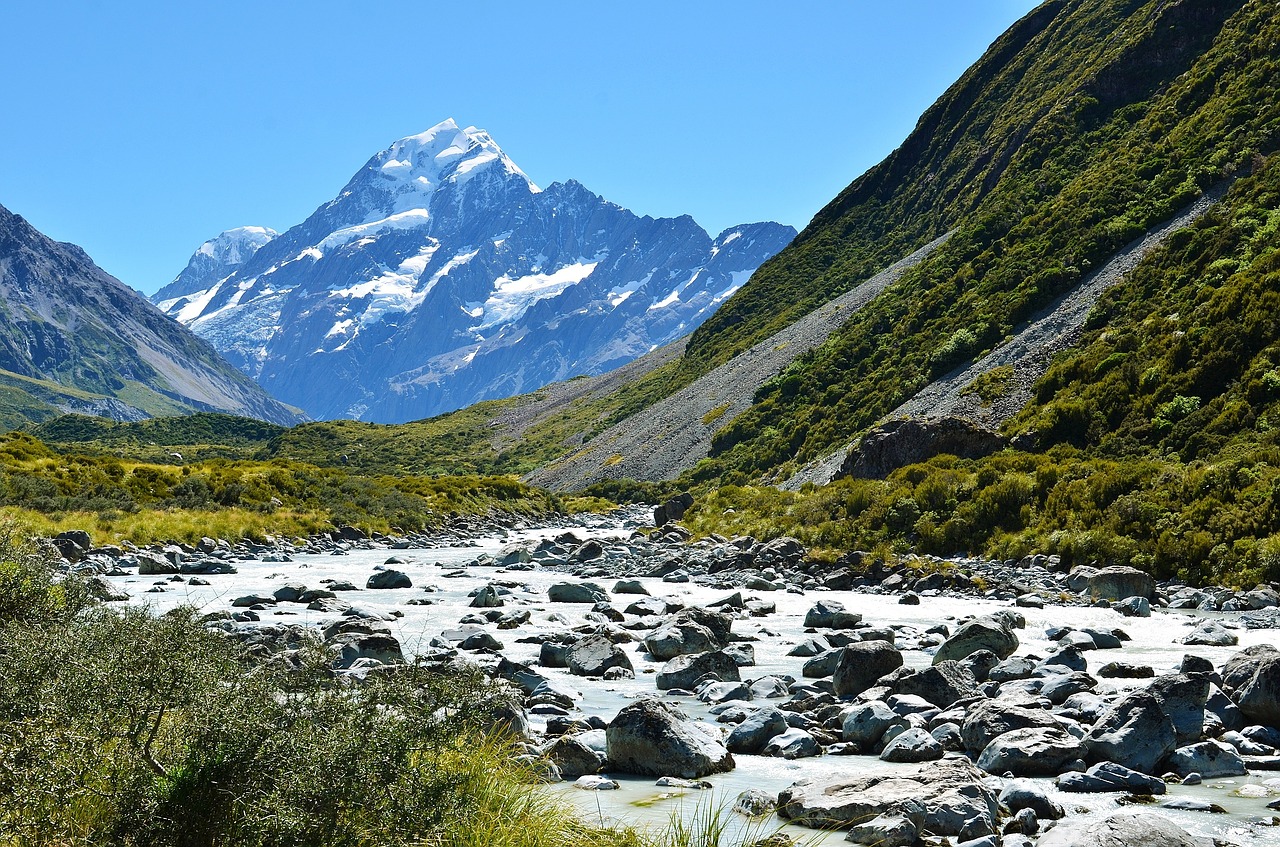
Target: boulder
1110 777
378 646
1119 582
487 597
1121 829
1135 733
912 745
629 586
953 798
989 719
981 634
888 830
574 757
388 579
792 744
1030 752
755 802
653 738
820 666
1259 696
594 655
153 564
859 665
576 592
1183 699
1208 758
1022 794
907 441
941 685
865 725
756 730
673 509
831 614
1211 634
685 671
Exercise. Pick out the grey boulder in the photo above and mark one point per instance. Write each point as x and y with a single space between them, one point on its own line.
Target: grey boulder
859 665
652 738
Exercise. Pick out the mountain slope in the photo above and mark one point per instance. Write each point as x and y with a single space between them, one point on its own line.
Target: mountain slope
441 276
1085 125
75 338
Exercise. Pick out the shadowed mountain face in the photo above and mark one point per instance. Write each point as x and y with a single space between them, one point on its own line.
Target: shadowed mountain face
441 276
99 346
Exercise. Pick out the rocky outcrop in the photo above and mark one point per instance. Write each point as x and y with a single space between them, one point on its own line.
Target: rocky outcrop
898 443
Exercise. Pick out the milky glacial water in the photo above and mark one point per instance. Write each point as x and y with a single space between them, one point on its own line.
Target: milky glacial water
638 801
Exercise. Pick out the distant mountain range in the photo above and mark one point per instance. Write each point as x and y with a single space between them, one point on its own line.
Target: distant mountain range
75 339
441 275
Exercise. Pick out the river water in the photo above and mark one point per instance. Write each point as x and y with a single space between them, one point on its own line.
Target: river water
638 801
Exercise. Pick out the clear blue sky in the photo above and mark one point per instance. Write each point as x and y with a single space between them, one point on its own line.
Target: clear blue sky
138 130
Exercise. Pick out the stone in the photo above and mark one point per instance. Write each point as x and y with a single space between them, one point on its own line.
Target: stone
1121 829
353 647
865 725
859 665
153 564
912 745
941 685
1033 751
1133 607
981 634
793 744
756 730
594 655
388 579
673 509
820 666
989 719
576 592
1259 695
887 830
1135 733
480 641
1183 699
831 614
629 586
755 802
685 671
1211 634
1208 758
953 798
653 738
1110 776
1022 794
574 757
1126 670
1119 582
487 597
594 782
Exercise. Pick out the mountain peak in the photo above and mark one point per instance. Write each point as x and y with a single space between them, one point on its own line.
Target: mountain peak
422 163
234 246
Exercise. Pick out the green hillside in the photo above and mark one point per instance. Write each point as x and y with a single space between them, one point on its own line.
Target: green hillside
1085 125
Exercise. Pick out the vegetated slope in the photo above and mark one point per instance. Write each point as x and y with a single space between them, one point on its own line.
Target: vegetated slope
441 276
1122 150
72 337
666 438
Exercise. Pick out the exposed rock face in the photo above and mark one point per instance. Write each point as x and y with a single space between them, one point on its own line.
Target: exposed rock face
953 798
652 738
441 275
897 443
69 324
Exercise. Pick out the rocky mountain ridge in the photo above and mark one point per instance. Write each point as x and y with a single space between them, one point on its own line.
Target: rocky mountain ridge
441 276
74 338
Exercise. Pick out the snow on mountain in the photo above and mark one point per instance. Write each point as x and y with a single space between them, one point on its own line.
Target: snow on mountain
441 275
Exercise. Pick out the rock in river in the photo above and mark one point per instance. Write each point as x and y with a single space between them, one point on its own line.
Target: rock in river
653 738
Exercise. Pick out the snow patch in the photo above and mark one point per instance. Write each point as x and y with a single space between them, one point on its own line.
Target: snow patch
511 298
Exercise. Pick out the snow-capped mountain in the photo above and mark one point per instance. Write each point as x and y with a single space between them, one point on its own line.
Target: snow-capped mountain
217 258
441 276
